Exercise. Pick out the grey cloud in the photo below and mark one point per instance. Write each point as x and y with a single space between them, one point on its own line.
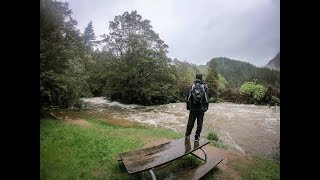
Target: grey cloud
197 31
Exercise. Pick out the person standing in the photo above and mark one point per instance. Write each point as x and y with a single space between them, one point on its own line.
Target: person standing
197 104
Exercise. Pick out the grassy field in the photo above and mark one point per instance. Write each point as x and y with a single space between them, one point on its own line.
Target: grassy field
259 168
72 151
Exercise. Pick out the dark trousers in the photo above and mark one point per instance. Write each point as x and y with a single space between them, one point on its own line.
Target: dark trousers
192 118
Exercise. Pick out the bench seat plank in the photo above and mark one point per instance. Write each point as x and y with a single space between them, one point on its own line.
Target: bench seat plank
148 158
201 170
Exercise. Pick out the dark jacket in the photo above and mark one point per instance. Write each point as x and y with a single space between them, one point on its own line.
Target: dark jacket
195 107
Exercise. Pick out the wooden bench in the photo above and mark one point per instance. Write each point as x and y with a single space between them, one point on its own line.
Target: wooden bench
149 158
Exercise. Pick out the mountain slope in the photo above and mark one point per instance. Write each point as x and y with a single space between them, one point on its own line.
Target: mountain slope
274 63
237 72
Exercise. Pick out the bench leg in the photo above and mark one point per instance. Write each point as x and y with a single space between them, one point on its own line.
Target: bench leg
152 174
205 155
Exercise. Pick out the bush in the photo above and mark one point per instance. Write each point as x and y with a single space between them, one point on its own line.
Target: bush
254 90
215 100
274 101
80 104
235 96
272 96
212 135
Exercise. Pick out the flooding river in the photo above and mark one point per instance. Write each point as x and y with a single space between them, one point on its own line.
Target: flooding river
250 129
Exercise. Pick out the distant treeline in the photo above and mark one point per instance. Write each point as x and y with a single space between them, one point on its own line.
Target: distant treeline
239 80
238 72
129 64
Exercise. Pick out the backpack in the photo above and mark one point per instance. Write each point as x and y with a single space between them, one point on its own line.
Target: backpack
198 93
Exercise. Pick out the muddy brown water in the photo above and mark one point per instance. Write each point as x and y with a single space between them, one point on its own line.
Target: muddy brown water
249 129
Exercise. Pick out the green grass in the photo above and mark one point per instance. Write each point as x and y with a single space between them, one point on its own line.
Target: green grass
212 135
70 151
74 152
214 139
260 168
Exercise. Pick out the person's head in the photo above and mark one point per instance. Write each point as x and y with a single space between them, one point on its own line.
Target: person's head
199 76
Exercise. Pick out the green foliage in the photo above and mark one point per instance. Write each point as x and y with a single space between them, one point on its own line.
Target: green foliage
256 91
212 135
74 152
132 65
272 96
238 72
222 83
260 169
131 68
203 69
275 101
189 162
233 95
140 72
89 36
214 139
185 74
212 80
233 73
62 56
216 100
98 71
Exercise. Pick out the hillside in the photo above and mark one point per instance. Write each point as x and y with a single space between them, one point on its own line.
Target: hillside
203 69
274 63
237 72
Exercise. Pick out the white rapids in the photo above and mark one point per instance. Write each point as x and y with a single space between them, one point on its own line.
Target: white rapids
249 129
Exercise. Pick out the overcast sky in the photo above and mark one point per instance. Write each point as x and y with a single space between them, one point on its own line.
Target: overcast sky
197 30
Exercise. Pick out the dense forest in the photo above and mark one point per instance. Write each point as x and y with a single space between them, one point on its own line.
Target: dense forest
238 72
130 66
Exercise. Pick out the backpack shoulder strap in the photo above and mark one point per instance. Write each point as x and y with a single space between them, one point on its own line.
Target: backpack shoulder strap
205 94
191 89
192 86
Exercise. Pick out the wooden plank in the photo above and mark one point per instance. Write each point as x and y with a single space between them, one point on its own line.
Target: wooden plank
201 170
204 169
144 159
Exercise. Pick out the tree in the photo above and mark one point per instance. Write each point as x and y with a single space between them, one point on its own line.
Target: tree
222 83
62 57
98 72
140 72
185 73
212 79
89 36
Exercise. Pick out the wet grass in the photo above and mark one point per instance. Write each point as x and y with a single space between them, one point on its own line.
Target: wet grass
219 144
69 151
180 166
73 152
214 139
258 168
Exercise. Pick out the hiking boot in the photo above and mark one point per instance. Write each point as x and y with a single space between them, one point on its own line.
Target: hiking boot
196 144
